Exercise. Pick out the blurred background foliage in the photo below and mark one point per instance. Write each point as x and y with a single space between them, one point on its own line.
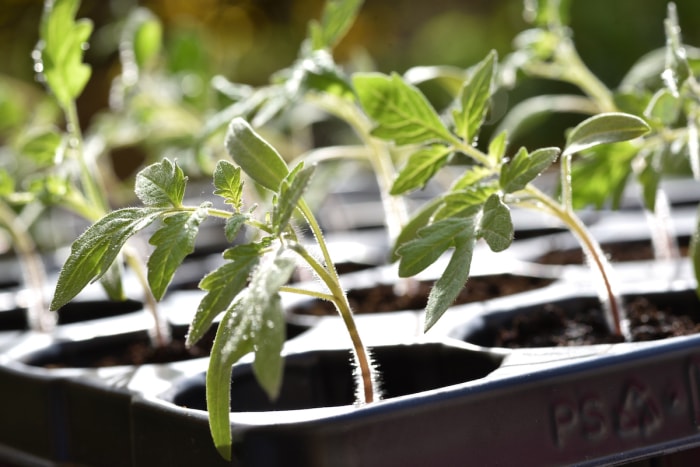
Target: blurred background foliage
248 40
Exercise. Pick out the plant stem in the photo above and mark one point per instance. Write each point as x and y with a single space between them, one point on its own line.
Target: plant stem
38 315
609 297
329 276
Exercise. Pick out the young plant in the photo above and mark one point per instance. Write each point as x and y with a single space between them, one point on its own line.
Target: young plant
477 204
246 287
661 88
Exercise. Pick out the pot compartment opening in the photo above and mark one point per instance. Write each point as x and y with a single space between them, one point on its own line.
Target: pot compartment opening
324 378
388 297
579 321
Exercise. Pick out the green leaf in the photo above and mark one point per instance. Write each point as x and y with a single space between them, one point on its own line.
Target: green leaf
173 242
222 286
525 167
664 108
600 175
161 184
41 146
60 50
234 339
7 183
338 16
228 184
93 252
420 168
111 282
432 241
474 99
318 72
401 111
233 225
604 128
419 220
258 159
496 225
472 176
240 332
290 192
451 282
465 203
497 148
147 39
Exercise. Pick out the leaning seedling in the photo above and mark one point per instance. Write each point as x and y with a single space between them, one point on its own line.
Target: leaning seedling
477 205
246 288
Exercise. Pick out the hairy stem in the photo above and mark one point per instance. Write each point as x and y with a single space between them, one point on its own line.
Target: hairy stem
329 276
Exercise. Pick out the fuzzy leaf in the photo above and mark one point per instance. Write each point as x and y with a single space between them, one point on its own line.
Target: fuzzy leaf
465 203
222 286
420 168
161 184
240 332
173 242
419 220
604 128
61 49
93 252
336 19
451 282
401 111
496 225
474 99
233 226
258 159
228 184
525 167
290 193
431 243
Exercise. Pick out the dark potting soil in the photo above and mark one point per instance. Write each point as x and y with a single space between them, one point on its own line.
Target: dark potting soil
553 326
390 297
637 250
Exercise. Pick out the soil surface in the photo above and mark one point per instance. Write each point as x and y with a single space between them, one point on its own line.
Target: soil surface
638 250
553 326
390 297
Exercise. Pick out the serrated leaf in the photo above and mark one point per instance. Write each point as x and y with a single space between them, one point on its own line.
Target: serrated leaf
465 203
451 282
61 49
420 168
222 286
233 226
497 148
161 184
474 99
173 242
496 225
432 241
336 19
258 159
401 111
419 220
472 176
525 167
93 252
290 193
241 332
228 184
604 128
